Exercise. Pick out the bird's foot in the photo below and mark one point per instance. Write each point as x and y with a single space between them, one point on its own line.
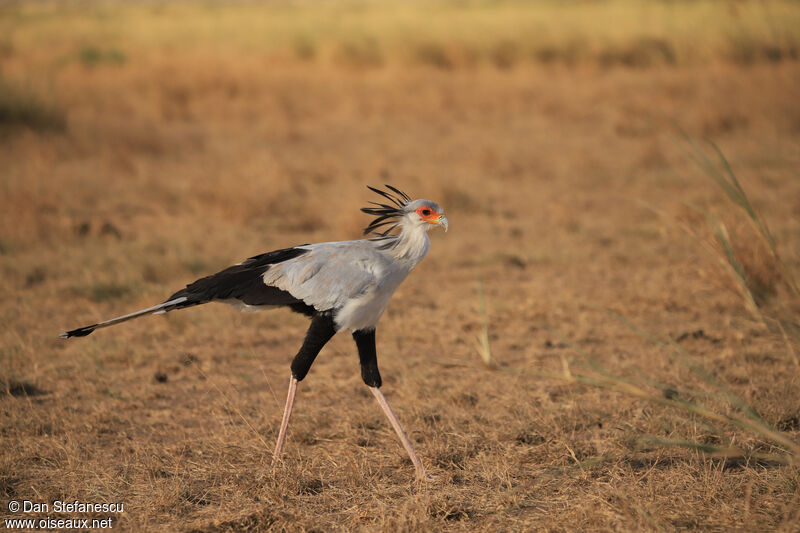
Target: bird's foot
423 476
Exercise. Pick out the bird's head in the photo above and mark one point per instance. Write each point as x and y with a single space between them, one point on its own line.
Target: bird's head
403 211
426 213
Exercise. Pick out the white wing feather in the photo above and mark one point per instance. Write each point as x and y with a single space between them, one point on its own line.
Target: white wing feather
331 273
354 279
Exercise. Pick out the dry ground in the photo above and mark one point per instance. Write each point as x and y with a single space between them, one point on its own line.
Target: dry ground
565 192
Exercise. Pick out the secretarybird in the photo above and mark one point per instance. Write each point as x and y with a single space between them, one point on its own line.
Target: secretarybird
338 285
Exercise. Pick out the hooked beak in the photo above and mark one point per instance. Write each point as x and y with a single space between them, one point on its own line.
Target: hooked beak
442 221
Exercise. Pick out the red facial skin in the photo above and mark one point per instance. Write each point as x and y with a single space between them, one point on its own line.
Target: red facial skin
432 216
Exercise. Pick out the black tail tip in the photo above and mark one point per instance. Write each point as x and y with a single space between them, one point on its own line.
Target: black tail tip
80 332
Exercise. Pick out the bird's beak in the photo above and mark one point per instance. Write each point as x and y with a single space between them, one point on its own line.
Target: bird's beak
442 221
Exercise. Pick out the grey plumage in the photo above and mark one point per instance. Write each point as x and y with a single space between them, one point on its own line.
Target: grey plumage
352 280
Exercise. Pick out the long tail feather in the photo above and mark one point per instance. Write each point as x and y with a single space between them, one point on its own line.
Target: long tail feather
160 308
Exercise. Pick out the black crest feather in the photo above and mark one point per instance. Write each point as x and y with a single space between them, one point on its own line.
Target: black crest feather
386 214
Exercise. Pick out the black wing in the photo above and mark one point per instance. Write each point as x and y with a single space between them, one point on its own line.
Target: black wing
243 282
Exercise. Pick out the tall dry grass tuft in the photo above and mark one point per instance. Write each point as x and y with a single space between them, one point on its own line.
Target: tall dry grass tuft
746 249
748 252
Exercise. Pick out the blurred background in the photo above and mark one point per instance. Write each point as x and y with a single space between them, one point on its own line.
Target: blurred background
606 338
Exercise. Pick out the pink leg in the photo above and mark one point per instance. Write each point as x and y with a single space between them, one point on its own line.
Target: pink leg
400 433
287 414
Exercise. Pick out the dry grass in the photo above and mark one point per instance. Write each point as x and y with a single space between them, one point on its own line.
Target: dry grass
443 34
22 107
178 161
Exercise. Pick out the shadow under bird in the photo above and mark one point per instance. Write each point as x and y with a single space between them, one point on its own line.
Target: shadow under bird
339 285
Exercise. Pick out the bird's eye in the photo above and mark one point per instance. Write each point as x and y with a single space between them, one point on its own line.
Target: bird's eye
426 212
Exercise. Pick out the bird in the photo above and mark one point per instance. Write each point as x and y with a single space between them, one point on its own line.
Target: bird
342 285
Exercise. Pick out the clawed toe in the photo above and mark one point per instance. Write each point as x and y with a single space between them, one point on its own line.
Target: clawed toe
426 477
